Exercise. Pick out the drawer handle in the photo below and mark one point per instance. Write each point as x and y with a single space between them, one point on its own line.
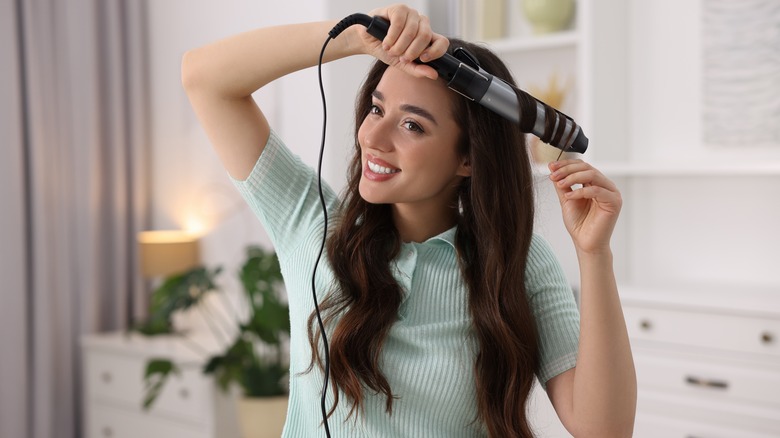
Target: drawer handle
767 338
105 376
108 432
706 383
645 324
184 393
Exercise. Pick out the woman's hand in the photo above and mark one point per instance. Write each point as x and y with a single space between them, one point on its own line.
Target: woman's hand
408 38
589 212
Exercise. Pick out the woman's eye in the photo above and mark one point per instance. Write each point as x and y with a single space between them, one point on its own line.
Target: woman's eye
412 126
374 110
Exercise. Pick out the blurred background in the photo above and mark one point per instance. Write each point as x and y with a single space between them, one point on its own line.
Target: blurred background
680 100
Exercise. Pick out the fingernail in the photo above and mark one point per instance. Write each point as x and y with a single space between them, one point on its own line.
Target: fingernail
424 57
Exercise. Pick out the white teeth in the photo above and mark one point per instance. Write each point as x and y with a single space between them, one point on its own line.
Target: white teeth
380 169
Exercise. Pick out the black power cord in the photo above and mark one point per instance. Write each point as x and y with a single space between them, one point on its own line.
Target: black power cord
322 246
333 33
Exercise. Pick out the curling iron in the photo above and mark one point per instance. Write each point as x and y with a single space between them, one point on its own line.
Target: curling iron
464 76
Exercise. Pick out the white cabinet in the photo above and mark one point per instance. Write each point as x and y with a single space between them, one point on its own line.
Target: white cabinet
707 360
189 406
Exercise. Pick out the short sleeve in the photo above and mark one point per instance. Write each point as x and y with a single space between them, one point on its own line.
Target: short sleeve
283 193
553 305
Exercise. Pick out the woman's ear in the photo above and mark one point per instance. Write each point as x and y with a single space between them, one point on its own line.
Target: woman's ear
465 167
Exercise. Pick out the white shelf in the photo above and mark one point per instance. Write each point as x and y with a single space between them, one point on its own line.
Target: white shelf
557 40
762 300
684 169
676 169
613 170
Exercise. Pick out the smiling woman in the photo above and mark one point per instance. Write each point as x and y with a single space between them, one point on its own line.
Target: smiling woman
411 138
443 306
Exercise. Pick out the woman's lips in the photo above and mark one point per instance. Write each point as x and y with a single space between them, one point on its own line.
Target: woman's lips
376 169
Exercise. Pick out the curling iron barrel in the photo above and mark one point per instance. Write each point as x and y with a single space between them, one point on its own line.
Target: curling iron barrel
469 80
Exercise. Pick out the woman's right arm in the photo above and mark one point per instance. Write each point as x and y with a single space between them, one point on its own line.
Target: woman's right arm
220 78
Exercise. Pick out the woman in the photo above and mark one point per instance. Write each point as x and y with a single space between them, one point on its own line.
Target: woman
442 304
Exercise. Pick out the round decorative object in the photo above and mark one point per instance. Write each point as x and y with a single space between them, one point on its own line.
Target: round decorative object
548 16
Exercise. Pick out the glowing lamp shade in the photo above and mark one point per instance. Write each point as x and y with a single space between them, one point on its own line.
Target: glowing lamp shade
167 252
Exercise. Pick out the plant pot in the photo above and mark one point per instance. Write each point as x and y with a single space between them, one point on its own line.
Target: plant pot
262 417
548 15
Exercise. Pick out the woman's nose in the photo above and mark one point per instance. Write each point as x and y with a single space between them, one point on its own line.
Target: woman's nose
378 136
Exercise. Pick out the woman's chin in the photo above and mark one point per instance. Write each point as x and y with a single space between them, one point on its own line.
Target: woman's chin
371 196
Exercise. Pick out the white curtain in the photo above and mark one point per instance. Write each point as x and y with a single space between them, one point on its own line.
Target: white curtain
74 194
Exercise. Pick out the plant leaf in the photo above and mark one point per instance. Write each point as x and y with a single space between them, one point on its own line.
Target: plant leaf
155 376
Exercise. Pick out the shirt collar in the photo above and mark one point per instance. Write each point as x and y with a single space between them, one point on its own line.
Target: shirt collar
446 237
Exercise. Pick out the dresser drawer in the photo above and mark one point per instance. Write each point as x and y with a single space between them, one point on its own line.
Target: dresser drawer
713 380
112 422
652 426
118 379
712 418
698 329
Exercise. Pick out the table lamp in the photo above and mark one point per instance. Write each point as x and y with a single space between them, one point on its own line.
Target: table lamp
167 252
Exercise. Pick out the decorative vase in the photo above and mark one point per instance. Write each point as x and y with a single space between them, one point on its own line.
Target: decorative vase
548 16
262 417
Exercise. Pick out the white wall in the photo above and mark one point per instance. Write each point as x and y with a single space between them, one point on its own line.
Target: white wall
189 183
691 226
667 87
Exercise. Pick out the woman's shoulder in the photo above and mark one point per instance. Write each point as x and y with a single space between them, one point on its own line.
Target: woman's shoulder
542 266
540 247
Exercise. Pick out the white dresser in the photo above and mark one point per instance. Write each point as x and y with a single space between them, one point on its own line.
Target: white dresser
190 405
707 360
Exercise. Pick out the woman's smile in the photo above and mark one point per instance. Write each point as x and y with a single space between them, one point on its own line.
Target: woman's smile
378 170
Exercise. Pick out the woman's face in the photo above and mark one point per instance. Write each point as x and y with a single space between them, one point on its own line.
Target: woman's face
408 143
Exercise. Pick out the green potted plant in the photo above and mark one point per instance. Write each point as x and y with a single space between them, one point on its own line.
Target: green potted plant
255 361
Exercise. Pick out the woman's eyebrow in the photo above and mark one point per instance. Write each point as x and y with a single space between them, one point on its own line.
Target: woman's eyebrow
422 112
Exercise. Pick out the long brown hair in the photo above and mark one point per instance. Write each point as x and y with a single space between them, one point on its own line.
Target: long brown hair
494 232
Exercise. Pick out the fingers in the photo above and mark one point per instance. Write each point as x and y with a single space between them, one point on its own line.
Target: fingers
568 173
404 23
595 185
410 37
437 48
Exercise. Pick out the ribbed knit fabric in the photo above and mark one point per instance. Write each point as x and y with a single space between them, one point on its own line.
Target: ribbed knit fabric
429 355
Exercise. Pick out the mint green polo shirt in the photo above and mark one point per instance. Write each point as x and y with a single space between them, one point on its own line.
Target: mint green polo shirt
429 354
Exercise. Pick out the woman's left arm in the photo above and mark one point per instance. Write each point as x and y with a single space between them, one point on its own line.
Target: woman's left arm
598 396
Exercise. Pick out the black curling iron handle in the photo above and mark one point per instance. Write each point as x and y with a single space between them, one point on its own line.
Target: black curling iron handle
489 91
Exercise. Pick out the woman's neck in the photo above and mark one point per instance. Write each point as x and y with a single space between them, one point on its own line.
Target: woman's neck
418 224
